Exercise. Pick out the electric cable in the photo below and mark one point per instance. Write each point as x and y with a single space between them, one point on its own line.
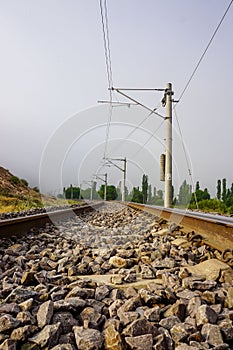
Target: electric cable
150 137
187 85
105 28
135 128
206 49
186 157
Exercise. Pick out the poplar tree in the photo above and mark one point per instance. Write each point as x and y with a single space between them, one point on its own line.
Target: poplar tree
224 190
144 188
219 185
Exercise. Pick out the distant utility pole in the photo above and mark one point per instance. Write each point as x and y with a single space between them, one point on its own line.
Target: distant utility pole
90 183
110 160
105 183
71 192
80 188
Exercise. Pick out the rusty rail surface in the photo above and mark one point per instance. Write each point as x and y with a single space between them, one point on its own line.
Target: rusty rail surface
217 234
22 225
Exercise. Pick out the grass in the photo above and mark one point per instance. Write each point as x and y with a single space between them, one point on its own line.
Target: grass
21 203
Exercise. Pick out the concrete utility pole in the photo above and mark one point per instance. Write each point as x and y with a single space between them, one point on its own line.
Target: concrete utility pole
71 192
80 188
90 183
168 160
105 180
105 186
124 178
91 196
110 160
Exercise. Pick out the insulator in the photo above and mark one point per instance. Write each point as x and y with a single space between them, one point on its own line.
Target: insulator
162 166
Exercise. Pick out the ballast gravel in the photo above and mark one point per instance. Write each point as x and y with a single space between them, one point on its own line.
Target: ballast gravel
113 279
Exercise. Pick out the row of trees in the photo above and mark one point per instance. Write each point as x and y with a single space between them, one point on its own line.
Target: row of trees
73 192
201 199
186 198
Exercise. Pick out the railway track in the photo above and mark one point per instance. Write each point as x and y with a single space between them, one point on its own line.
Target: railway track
215 231
21 225
113 277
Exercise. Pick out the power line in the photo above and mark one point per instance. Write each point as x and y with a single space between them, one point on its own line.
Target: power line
104 20
136 127
186 87
108 43
186 157
105 28
207 47
152 135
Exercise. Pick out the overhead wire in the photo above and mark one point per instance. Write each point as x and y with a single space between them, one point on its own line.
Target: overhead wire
136 127
146 142
186 87
186 157
206 49
107 52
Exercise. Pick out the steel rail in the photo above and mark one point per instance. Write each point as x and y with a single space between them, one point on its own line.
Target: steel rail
216 232
21 225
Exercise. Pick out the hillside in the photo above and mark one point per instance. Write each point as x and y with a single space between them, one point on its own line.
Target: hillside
15 195
11 185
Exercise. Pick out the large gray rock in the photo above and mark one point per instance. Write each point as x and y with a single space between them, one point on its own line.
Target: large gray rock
169 322
140 342
8 344
48 336
205 314
112 338
8 322
193 305
179 332
11 308
140 327
45 313
212 334
74 304
66 319
21 333
20 294
88 339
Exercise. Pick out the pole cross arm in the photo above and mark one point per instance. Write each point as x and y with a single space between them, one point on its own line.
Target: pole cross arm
100 178
137 102
117 166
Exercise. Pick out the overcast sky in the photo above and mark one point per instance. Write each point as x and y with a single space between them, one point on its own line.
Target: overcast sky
53 72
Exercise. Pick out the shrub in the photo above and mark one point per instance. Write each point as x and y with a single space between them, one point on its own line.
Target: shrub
36 189
15 180
24 182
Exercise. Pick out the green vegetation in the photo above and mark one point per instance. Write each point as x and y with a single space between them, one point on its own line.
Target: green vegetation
24 182
144 188
222 204
186 198
137 195
36 189
111 194
14 180
72 192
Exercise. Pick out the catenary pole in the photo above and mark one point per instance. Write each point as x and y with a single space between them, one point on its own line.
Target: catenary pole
124 178
168 161
105 186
